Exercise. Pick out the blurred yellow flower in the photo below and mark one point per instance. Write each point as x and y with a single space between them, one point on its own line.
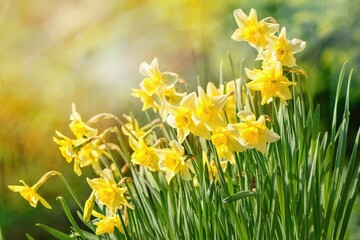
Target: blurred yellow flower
30 193
251 30
107 191
252 133
78 127
147 99
172 161
270 82
145 156
154 78
107 223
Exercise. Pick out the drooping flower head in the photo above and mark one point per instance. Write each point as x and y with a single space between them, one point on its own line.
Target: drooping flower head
255 32
30 193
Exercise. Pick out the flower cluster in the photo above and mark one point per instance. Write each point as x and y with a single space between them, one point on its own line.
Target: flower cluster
274 51
220 119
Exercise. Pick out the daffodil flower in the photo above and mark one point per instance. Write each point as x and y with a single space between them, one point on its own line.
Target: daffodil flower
209 109
154 78
270 82
225 143
183 119
30 193
145 156
78 127
107 224
285 49
148 100
107 191
255 32
252 133
172 162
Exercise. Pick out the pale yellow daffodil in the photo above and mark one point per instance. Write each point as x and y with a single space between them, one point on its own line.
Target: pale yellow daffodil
172 162
154 78
255 32
285 49
252 133
148 100
270 82
30 193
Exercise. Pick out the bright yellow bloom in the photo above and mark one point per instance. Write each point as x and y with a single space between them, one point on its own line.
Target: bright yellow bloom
90 154
252 133
270 82
285 49
154 78
107 224
172 161
251 30
147 99
182 118
84 152
145 156
225 143
78 127
107 191
210 108
30 193
168 96
89 206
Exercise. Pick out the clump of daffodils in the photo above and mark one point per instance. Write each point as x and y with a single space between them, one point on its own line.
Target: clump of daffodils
202 149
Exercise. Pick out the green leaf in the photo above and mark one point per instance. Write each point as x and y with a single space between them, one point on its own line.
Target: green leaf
239 195
69 216
54 232
29 237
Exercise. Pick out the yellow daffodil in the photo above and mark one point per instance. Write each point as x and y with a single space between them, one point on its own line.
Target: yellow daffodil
255 32
172 161
78 127
107 224
270 82
154 78
183 119
168 96
107 191
147 99
252 133
68 151
89 206
225 143
90 154
30 193
285 49
209 109
145 156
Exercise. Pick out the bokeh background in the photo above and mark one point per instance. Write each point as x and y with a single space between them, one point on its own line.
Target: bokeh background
53 53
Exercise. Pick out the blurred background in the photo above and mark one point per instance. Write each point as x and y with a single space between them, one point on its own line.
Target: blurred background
53 53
